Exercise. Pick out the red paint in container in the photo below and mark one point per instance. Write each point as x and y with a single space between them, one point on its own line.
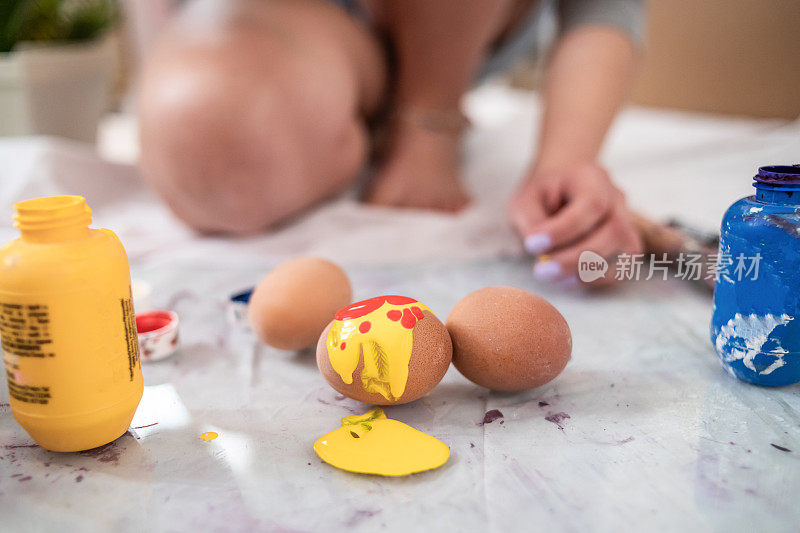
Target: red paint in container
157 332
152 321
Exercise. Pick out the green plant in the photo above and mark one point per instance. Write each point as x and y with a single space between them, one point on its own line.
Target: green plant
54 20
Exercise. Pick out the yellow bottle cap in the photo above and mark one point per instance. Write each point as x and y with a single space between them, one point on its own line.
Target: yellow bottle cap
52 212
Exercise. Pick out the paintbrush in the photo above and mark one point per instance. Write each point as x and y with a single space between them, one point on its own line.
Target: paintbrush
675 240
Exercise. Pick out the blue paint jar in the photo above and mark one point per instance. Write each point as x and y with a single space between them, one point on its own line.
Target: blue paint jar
755 327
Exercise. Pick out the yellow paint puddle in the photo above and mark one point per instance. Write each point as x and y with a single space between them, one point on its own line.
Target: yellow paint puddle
209 435
373 444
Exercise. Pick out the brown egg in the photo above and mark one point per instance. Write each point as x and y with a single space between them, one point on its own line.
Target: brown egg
295 301
385 350
508 339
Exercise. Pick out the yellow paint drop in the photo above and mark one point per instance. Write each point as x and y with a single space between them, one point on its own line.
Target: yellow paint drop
374 444
209 435
386 347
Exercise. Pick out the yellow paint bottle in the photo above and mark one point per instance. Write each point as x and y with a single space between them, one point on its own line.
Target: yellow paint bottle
67 326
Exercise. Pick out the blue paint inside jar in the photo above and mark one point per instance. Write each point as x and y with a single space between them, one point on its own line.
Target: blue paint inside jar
755 327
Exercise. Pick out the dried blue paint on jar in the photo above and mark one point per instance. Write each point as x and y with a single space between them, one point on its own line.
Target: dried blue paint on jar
755 327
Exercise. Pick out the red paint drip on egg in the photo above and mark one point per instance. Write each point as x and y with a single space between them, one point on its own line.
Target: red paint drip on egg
343 346
364 307
400 300
394 315
418 312
408 319
364 326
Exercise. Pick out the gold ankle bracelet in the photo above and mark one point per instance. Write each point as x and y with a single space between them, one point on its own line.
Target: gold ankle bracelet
438 120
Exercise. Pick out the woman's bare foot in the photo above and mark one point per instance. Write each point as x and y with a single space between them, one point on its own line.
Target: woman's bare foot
420 169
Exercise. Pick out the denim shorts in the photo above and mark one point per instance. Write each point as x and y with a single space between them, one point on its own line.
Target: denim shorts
542 21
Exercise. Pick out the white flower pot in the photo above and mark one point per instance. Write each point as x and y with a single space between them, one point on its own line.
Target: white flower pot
56 89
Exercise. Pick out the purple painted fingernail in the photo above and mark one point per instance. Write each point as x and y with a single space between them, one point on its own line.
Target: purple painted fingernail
569 282
537 243
547 270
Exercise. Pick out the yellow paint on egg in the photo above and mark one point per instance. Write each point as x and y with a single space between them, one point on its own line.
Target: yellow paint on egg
381 330
209 435
373 444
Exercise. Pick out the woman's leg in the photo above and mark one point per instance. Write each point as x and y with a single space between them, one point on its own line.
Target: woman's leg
440 46
252 110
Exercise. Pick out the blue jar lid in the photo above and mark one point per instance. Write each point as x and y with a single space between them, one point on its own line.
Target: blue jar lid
778 175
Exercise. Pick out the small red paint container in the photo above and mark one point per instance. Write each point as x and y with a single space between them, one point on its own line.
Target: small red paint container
157 332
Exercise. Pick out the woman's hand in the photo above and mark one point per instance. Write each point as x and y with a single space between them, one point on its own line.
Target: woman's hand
561 214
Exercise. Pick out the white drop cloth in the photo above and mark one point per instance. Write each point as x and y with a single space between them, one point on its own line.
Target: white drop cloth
657 433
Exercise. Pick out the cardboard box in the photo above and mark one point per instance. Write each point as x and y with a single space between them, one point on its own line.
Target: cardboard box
725 56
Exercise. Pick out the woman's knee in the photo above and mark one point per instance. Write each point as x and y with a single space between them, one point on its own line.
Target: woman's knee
238 135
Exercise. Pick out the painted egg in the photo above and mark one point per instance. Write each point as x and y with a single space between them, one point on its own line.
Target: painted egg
385 350
508 339
295 301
